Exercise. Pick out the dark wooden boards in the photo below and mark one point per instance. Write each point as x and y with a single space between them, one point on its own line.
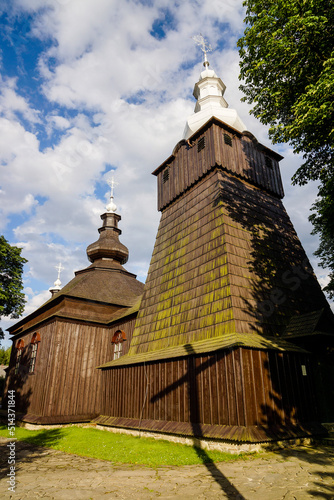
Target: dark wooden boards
238 389
245 158
65 382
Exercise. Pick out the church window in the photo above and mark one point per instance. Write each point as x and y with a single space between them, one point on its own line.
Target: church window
117 350
165 175
228 139
34 348
117 341
19 351
200 144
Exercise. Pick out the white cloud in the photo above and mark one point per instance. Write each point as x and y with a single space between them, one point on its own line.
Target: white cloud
114 95
11 103
60 122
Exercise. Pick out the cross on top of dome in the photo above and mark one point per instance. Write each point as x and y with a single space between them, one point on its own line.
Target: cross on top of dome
111 207
209 95
205 47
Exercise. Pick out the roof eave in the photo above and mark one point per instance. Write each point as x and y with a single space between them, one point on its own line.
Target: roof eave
251 341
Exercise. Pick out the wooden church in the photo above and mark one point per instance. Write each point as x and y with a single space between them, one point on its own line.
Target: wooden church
226 338
58 347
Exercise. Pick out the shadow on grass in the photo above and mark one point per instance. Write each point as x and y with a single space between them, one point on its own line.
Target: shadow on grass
46 438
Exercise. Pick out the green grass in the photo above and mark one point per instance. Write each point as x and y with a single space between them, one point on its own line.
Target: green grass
119 448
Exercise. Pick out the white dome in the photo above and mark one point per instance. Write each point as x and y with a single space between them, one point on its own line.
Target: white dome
208 73
209 91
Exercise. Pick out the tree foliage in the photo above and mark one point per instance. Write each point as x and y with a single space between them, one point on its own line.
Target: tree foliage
287 64
11 269
323 223
5 356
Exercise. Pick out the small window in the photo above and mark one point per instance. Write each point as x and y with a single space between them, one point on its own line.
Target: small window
34 348
228 139
269 162
19 351
117 340
165 175
118 350
201 144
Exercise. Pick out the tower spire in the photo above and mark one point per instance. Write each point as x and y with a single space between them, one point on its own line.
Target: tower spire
209 93
57 284
111 207
108 246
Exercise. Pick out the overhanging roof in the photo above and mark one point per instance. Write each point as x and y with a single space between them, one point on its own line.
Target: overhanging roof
320 322
247 340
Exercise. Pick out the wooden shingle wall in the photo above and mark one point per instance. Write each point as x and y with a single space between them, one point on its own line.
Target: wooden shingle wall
226 260
251 394
270 276
187 293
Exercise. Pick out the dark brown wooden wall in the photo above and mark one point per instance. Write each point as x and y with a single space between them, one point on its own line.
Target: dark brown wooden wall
240 387
66 381
244 158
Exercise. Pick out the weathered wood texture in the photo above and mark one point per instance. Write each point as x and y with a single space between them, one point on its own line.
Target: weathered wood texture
264 394
226 260
65 386
245 158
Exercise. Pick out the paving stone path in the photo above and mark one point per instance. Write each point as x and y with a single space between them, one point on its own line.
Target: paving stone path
298 473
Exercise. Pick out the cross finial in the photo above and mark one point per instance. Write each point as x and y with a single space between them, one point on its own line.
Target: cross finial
112 183
111 207
59 268
57 284
205 47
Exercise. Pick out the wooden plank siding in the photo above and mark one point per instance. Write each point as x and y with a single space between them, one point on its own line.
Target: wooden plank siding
239 388
245 159
65 386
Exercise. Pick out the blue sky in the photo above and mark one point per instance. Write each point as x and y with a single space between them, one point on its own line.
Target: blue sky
94 86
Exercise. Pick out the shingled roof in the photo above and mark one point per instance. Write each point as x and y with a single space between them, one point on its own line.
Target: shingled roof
100 293
108 283
319 322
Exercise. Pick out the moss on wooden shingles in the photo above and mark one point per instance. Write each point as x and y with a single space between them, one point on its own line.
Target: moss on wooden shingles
201 250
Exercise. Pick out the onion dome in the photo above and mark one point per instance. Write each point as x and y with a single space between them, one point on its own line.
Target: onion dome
108 246
57 284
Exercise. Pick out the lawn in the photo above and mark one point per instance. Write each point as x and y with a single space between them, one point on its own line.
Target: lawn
119 448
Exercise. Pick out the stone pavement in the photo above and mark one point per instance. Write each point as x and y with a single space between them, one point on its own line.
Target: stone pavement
297 473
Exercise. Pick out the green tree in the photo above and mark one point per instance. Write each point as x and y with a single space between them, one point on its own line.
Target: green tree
5 355
287 67
323 223
11 269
